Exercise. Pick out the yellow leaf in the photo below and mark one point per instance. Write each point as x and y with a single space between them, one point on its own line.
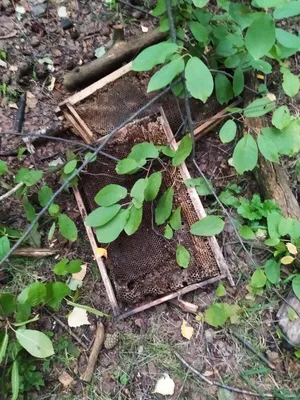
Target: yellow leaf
287 260
260 77
81 274
199 317
100 251
165 386
186 330
292 248
78 317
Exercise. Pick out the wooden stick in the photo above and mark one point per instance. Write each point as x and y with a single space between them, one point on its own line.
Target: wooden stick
34 252
101 265
185 306
83 129
12 191
97 346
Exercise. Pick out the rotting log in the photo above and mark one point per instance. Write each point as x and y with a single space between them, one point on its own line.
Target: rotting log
121 52
272 179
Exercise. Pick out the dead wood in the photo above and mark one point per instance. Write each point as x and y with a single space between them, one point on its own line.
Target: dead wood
34 252
97 346
272 179
111 60
185 306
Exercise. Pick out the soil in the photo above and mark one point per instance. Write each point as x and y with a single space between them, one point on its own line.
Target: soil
147 341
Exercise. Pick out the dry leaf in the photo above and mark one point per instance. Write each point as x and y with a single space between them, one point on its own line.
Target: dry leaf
100 251
65 379
292 248
13 68
208 373
271 96
79 276
3 64
13 105
144 29
62 12
31 101
186 330
52 84
199 317
165 386
78 317
287 260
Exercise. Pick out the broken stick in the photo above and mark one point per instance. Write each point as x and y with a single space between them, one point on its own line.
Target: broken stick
97 346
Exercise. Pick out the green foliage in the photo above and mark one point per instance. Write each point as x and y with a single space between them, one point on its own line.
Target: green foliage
153 55
110 195
258 279
70 167
272 271
259 107
166 75
199 80
182 256
183 151
134 220
3 167
164 207
207 226
4 246
110 231
291 83
260 36
202 188
288 9
152 189
67 227
220 291
28 177
175 220
296 286
65 267
100 216
228 131
168 232
36 343
246 232
281 117
219 313
255 209
223 89
15 380
267 148
245 154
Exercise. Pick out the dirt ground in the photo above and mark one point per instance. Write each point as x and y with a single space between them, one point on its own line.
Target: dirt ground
38 52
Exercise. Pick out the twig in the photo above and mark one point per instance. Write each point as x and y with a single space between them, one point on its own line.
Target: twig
82 166
34 252
253 349
97 346
67 329
12 191
213 383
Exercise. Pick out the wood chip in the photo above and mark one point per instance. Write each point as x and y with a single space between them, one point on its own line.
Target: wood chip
65 379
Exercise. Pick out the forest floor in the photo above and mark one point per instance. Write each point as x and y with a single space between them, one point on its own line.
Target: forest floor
36 52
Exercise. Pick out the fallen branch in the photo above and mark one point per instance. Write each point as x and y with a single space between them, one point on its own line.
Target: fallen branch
12 191
218 384
34 252
97 346
121 52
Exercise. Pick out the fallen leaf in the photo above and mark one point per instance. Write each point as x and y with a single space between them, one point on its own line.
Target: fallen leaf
165 386
52 84
79 276
287 260
74 284
208 373
99 51
20 10
3 64
78 317
199 317
144 29
65 379
13 68
292 248
31 101
186 330
62 12
13 105
100 251
271 96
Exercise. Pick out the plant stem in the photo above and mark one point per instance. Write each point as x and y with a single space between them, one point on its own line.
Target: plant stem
12 191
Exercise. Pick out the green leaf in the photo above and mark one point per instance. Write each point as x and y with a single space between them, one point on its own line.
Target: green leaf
220 291
29 209
160 8
238 81
228 131
164 206
200 3
273 220
272 270
110 195
183 256
7 304
102 215
153 55
15 380
168 232
70 167
65 267
207 226
88 155
260 36
199 80
141 151
296 286
241 14
202 188
111 231
23 312
45 195
138 189
292 316
245 154
29 177
290 84
259 107
267 148
134 220
258 279
267 3
216 315
183 151
287 141
89 309
246 232
3 346
289 9
36 343
126 166
51 231
60 267
53 209
67 228
175 220
56 292
232 61
223 89
3 167
165 75
281 117
271 242
4 246
199 31
36 293
287 39
154 183
33 319
261 65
